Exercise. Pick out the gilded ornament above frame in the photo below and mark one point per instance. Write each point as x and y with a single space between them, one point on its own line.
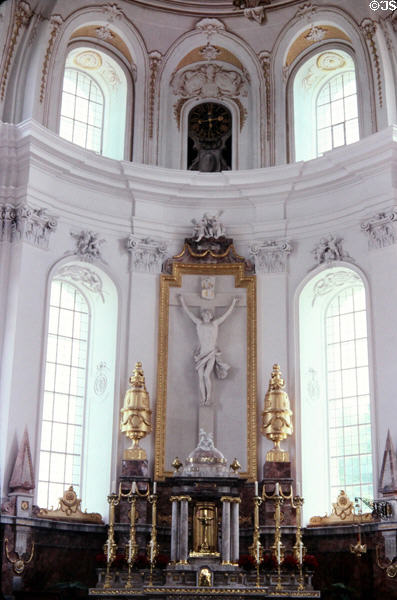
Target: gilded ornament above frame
174 279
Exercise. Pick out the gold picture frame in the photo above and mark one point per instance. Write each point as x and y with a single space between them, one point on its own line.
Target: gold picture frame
174 279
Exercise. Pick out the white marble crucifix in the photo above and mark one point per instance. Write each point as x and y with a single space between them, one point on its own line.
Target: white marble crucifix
207 355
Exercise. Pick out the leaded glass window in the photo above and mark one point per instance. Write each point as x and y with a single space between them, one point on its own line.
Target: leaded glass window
62 425
82 110
350 449
337 113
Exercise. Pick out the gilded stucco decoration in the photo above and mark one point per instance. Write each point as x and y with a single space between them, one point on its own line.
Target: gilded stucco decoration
342 514
155 59
313 35
106 34
23 15
265 60
55 22
368 28
69 509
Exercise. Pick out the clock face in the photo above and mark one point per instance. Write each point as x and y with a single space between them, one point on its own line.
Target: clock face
210 121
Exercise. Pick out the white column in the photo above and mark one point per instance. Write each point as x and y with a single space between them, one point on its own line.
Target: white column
175 529
225 529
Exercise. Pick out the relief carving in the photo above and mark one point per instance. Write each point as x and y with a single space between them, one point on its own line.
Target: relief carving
209 80
380 229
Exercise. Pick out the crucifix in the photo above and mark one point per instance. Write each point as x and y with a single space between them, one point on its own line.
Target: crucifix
207 356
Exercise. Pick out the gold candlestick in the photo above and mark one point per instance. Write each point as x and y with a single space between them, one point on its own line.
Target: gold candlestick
153 546
277 549
256 549
358 549
110 547
299 548
131 549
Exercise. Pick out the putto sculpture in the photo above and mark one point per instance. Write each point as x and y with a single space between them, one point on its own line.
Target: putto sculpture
209 227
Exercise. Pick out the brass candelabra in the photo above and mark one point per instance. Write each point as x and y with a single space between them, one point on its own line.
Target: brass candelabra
110 547
256 549
299 548
153 546
131 548
358 548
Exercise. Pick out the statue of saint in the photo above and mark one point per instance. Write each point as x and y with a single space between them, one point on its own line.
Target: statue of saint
207 357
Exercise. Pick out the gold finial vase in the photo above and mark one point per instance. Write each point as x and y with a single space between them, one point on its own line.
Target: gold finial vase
136 414
277 416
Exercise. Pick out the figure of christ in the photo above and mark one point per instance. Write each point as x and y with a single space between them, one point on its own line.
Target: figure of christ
207 357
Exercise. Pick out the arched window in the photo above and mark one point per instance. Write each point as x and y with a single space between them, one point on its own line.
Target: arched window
82 110
64 393
337 112
335 407
325 104
78 387
94 102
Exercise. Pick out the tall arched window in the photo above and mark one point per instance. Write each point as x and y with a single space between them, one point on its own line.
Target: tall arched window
335 407
64 393
94 102
78 410
325 104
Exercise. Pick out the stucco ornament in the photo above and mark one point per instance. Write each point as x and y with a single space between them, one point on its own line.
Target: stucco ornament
22 222
88 278
329 249
210 26
209 80
88 245
209 227
271 256
147 254
380 229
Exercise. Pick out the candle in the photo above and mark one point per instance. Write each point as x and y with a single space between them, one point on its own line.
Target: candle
113 486
134 488
298 488
154 487
300 553
277 490
257 552
256 488
151 551
278 553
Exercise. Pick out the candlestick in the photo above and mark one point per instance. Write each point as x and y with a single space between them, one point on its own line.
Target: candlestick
110 546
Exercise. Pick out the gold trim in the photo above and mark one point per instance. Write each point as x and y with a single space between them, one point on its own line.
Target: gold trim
206 591
175 280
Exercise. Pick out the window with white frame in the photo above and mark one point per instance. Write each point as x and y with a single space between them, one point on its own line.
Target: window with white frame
81 110
93 111
335 404
78 412
64 393
325 104
337 112
349 416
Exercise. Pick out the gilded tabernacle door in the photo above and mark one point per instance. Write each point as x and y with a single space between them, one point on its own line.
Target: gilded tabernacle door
206 381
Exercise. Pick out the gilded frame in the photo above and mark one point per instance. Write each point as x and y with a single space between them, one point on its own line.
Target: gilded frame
242 280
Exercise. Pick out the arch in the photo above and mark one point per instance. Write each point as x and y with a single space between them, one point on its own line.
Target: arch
307 80
314 378
100 413
169 107
282 86
133 46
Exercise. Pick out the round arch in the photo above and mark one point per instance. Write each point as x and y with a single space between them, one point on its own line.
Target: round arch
281 85
312 298
168 108
100 412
